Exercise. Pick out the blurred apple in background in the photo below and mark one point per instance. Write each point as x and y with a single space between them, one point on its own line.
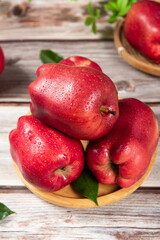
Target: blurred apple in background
142 28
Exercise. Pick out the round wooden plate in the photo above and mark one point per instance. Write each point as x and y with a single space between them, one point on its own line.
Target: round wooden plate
130 55
67 197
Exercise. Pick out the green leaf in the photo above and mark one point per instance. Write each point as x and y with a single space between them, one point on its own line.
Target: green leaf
88 21
94 27
47 56
98 12
111 6
121 4
4 211
87 185
113 18
90 9
124 4
118 8
124 12
29 0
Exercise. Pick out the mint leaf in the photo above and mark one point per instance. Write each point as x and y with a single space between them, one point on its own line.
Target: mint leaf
123 7
94 27
92 18
113 18
87 185
48 56
88 21
121 4
111 6
123 12
4 211
118 8
90 9
98 12
124 4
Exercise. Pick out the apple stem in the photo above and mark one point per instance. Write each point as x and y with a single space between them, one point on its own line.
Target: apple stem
104 110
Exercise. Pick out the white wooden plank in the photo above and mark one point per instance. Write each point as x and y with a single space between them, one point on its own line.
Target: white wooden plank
135 217
9 117
51 19
23 60
8 120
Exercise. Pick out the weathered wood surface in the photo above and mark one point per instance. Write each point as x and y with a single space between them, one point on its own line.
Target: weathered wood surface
51 19
22 60
133 218
8 121
58 23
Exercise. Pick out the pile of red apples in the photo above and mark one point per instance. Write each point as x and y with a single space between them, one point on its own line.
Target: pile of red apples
71 101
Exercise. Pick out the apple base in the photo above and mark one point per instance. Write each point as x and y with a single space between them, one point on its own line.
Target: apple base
68 197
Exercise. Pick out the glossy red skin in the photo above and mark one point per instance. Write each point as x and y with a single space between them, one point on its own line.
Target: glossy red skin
142 28
69 99
128 147
40 152
81 62
2 60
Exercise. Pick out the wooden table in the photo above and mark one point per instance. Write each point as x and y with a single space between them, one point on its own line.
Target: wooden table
25 29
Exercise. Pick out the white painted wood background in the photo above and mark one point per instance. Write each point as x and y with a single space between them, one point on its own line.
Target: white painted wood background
25 29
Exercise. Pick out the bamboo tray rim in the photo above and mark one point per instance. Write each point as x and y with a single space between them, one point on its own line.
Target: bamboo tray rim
137 62
84 203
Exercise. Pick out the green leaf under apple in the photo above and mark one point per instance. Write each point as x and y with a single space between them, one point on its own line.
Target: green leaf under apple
87 185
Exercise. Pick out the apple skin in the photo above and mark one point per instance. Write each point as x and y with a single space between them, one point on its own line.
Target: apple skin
81 62
69 98
47 158
123 155
2 60
142 28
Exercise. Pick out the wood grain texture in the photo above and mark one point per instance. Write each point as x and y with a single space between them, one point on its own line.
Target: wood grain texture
51 19
58 23
8 120
22 61
135 217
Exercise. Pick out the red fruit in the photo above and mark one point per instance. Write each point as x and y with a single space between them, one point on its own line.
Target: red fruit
2 60
47 158
81 62
123 155
142 28
81 102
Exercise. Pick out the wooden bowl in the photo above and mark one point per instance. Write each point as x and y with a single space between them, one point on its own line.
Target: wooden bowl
130 55
67 197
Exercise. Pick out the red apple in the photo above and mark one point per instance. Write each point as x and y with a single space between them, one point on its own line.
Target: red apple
142 28
79 101
47 158
81 62
123 155
2 60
